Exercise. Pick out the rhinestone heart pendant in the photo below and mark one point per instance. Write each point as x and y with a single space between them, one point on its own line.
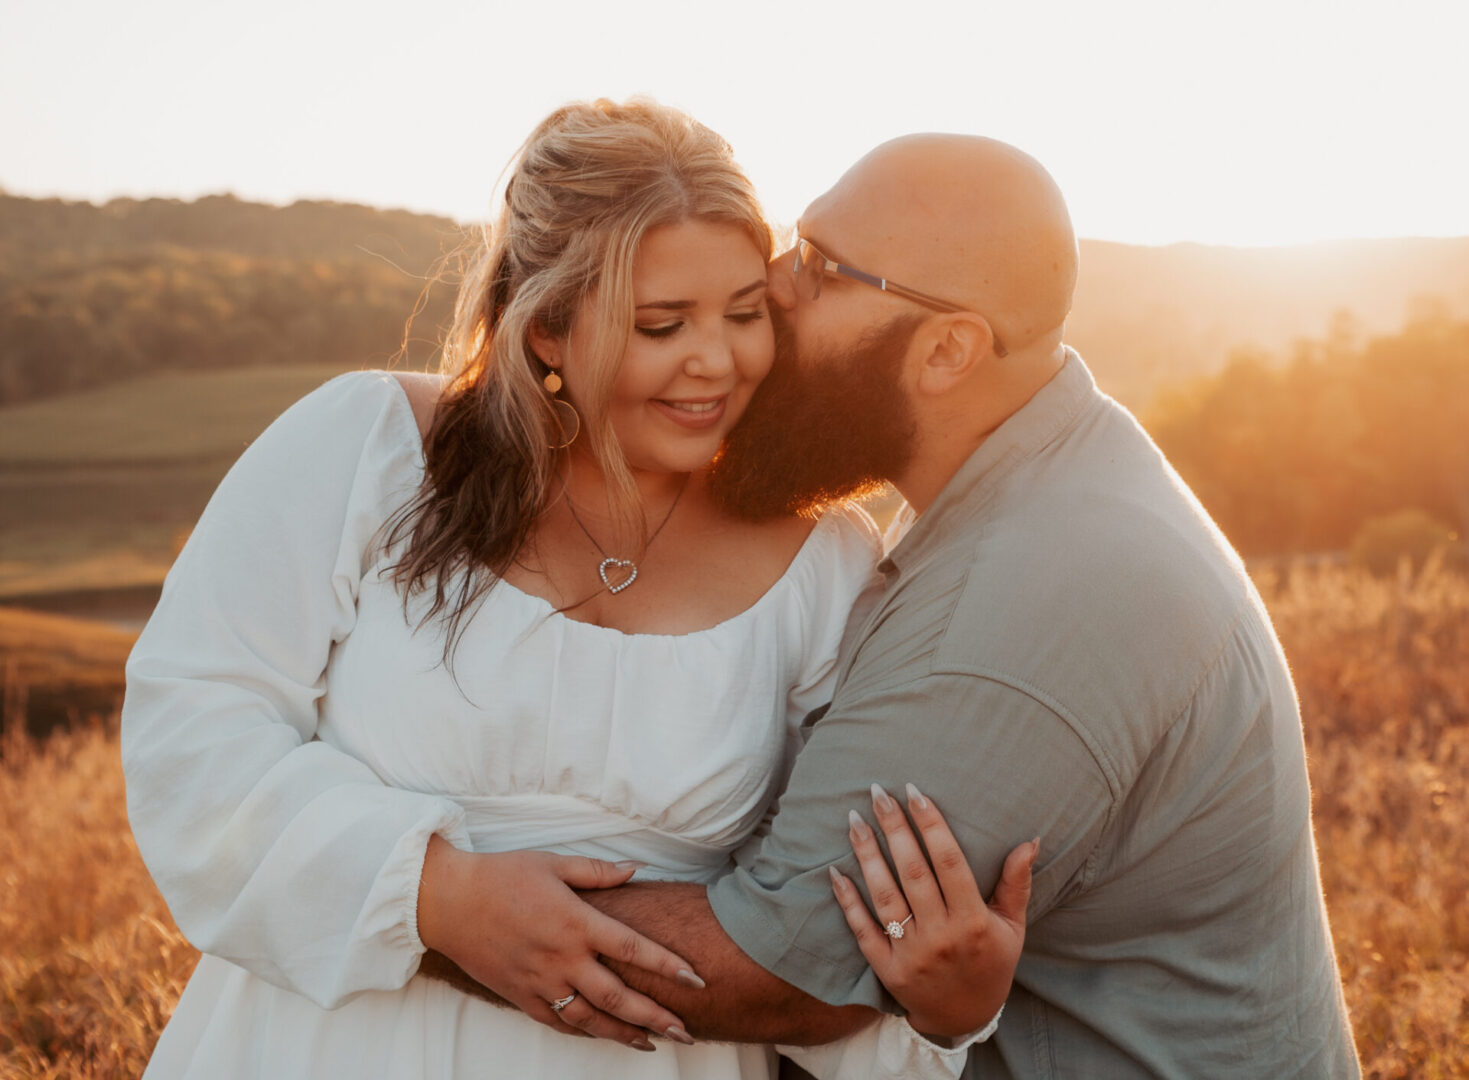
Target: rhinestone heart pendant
615 565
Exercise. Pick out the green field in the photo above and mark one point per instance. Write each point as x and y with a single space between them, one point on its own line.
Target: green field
97 489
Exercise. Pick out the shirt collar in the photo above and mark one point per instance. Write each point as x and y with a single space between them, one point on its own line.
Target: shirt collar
1026 432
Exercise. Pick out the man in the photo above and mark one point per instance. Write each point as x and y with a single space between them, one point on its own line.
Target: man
1063 646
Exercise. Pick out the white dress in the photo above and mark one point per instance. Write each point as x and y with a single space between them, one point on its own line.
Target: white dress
291 743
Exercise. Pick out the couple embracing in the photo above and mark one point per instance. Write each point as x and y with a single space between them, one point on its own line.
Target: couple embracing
565 693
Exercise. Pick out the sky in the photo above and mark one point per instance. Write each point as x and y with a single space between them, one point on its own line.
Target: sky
1215 121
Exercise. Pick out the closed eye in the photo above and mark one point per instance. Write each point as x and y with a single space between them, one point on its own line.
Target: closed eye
662 331
743 317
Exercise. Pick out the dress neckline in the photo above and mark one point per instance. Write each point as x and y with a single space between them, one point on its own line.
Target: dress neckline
548 610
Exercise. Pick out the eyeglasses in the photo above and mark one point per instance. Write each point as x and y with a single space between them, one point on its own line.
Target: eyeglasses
812 266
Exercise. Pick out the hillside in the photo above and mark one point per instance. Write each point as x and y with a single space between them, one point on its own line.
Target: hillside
98 488
35 233
91 294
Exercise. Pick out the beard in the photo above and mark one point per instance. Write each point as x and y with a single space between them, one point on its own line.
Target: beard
819 429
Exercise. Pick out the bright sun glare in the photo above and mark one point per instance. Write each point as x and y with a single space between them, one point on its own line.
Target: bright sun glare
1245 123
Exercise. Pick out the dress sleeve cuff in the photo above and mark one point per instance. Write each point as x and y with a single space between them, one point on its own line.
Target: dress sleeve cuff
957 1045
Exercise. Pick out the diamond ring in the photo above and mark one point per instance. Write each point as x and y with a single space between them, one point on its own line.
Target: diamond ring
895 929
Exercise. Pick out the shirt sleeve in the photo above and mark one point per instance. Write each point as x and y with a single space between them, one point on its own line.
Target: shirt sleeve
272 849
1000 765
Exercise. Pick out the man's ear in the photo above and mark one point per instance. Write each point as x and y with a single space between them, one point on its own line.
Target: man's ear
546 347
950 348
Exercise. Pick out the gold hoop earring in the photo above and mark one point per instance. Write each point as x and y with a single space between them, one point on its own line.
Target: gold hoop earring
575 427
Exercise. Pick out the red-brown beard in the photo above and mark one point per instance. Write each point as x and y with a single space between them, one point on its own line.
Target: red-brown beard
819 429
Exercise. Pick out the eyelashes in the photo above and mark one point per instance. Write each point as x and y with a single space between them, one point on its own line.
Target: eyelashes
666 330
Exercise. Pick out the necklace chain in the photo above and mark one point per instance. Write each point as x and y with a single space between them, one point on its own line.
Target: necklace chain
610 561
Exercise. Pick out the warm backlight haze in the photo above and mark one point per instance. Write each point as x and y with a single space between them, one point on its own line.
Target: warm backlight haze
1315 397
1245 123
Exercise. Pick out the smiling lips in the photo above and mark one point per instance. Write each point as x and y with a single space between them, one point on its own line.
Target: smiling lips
693 414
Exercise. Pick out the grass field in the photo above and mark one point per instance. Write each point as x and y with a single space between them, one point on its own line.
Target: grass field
90 963
168 417
97 488
58 672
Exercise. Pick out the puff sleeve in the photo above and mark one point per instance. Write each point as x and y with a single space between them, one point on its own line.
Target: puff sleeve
274 850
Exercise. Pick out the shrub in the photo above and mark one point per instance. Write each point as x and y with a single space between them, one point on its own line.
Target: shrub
1382 543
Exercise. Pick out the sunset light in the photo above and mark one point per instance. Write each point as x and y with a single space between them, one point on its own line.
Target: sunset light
500 497
1254 122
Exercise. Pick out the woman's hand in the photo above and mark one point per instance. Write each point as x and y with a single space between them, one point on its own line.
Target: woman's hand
513 923
952 963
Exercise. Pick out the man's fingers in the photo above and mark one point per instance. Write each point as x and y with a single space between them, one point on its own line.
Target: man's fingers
604 990
1012 894
871 940
622 943
920 889
955 878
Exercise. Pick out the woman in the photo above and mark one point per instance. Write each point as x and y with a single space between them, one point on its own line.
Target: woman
424 629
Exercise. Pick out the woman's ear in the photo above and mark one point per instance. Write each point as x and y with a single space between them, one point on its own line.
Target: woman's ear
546 347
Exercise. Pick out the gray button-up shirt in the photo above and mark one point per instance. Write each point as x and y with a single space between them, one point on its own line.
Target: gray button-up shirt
1065 646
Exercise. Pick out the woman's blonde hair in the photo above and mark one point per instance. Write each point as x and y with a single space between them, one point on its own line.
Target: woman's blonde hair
583 191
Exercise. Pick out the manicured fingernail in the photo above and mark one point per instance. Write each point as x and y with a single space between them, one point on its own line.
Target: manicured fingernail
629 864
882 800
643 1045
859 827
688 978
916 799
1035 849
678 1034
838 880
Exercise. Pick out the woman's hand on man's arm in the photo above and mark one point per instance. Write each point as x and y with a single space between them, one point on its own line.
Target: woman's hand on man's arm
513 923
936 945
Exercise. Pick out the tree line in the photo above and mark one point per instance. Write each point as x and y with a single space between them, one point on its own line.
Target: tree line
91 294
1301 456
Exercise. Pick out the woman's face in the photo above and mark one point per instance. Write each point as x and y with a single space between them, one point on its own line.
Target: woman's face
701 343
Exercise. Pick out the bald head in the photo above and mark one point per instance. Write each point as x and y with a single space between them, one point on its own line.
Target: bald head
972 220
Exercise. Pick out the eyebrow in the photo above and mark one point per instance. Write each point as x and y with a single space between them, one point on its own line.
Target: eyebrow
684 305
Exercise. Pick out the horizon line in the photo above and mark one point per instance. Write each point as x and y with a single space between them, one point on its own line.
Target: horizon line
6 191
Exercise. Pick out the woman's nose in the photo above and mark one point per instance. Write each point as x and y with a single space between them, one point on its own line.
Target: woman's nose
781 281
713 356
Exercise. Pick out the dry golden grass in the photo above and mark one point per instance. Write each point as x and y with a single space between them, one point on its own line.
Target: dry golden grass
90 963
1382 669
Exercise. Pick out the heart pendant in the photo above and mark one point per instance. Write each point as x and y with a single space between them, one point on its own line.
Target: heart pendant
616 565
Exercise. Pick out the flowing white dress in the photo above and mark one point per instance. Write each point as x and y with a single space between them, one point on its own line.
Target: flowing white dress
291 743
